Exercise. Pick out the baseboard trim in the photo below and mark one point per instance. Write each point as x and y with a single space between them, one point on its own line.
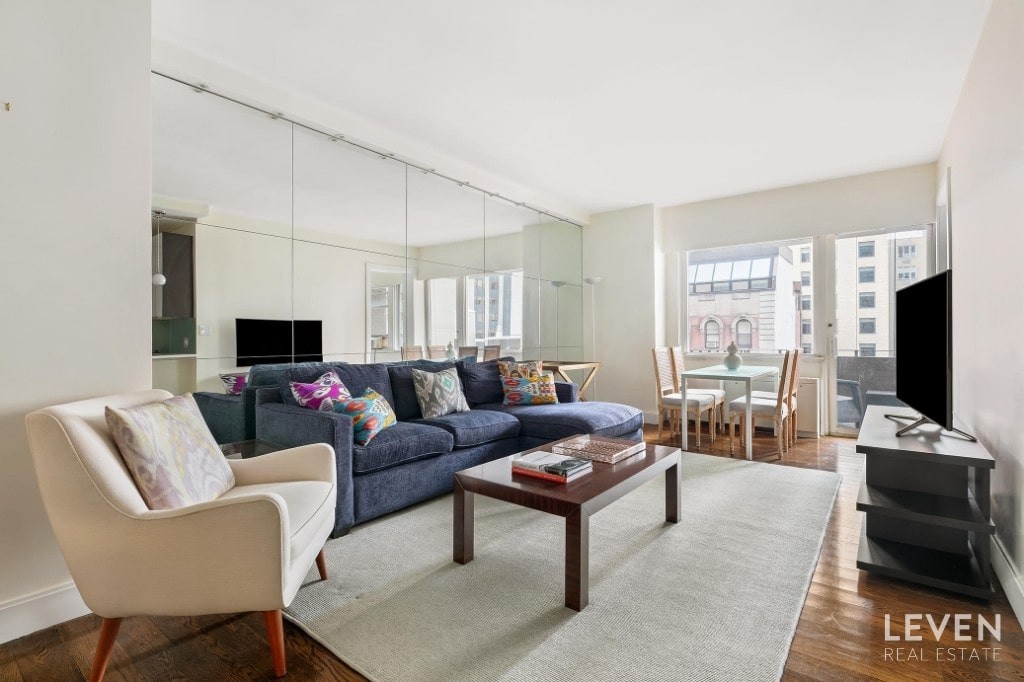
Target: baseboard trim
1011 581
39 610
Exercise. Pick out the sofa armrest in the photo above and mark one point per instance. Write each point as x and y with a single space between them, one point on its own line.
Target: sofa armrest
305 463
224 414
567 392
292 426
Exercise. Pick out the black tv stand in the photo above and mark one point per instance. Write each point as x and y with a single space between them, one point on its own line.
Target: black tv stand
921 421
926 504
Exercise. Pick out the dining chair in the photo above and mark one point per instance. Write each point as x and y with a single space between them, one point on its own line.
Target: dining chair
437 352
491 353
794 387
412 352
469 351
670 402
718 414
776 408
247 549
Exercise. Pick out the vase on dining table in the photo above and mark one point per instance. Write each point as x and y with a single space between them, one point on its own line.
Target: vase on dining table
732 359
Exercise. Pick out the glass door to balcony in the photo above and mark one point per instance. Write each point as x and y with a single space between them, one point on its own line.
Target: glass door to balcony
869 268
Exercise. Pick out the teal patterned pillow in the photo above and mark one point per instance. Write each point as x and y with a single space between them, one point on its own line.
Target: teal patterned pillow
370 414
170 453
439 393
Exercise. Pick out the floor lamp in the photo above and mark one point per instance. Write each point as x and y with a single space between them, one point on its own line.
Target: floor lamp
593 282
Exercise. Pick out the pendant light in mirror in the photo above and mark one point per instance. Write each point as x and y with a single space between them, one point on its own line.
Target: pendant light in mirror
158 277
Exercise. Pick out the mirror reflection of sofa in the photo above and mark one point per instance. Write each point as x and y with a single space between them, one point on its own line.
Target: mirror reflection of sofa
415 459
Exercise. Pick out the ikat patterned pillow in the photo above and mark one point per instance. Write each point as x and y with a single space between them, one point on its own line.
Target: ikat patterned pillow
530 391
322 394
170 453
439 393
234 384
516 370
370 414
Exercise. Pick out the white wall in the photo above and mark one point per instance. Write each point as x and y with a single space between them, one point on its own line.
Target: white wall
74 266
891 198
984 149
621 247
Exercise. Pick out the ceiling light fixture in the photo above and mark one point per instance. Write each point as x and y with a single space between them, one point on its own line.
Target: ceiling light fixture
158 277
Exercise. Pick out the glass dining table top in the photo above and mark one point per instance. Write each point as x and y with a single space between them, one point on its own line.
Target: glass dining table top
724 373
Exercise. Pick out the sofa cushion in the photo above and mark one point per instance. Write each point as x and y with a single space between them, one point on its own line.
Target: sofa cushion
358 378
565 419
476 427
481 381
403 442
322 394
406 405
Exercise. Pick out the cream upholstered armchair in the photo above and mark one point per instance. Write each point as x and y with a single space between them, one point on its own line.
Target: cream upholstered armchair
247 550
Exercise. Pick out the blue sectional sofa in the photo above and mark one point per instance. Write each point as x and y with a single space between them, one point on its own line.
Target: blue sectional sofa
415 459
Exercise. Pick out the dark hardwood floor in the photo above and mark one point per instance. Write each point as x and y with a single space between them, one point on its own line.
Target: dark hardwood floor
840 635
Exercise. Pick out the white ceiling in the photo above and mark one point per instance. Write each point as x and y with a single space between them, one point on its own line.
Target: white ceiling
617 103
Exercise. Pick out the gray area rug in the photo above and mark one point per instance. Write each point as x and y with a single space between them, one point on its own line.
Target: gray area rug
715 597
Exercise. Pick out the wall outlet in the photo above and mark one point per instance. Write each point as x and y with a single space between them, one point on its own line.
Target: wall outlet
204 330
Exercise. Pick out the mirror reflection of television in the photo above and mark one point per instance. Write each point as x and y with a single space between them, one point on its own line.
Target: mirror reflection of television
260 342
924 348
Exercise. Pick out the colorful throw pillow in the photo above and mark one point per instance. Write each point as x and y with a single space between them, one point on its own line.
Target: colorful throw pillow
234 384
170 453
515 370
439 393
370 414
527 391
322 394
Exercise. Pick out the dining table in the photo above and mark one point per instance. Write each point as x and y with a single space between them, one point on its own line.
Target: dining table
745 374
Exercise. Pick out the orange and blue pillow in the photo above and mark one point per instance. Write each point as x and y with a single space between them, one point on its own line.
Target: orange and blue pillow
526 390
323 394
370 414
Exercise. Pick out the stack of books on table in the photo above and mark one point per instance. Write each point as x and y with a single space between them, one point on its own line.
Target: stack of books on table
551 466
598 448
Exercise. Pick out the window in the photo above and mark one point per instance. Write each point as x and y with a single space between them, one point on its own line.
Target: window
867 300
744 288
805 279
906 251
386 317
867 350
866 275
805 348
496 316
712 332
805 254
744 335
805 327
805 303
867 325
906 273
866 249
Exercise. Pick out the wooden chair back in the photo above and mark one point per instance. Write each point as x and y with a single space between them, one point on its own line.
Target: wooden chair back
468 351
492 353
794 374
678 365
437 352
412 352
784 379
663 371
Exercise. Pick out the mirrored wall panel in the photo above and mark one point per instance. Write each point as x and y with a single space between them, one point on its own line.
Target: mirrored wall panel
306 246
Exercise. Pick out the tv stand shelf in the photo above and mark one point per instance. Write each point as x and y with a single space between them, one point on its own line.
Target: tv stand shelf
927 513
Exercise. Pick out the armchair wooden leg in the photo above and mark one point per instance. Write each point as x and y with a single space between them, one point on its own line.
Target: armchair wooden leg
321 565
104 647
275 633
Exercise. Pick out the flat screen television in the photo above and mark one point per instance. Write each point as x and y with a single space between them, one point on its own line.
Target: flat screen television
924 350
270 341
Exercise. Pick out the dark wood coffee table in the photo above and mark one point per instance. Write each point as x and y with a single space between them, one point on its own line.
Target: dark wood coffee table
576 501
